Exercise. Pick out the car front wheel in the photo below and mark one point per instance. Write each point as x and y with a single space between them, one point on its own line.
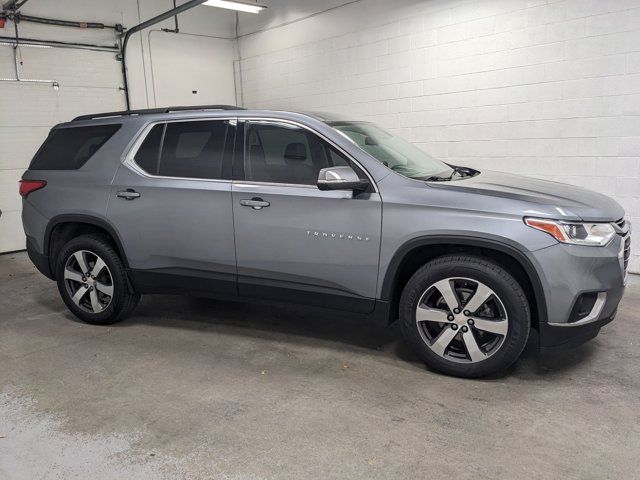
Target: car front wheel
465 316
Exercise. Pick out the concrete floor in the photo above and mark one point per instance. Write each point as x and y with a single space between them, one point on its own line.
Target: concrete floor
193 388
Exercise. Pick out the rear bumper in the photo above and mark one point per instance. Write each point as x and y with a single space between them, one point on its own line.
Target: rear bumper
40 260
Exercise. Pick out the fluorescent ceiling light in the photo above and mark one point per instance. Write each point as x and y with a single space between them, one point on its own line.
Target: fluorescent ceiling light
236 5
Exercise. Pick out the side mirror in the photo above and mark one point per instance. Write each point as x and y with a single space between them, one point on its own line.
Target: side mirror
340 178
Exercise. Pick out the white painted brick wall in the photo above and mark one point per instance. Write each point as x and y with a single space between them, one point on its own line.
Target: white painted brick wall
544 88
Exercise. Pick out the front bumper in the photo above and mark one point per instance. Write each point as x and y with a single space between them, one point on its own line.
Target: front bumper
570 271
553 338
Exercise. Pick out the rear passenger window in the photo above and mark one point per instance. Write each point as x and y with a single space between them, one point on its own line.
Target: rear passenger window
69 148
193 149
185 149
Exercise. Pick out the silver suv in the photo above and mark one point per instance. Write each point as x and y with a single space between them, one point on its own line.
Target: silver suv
336 214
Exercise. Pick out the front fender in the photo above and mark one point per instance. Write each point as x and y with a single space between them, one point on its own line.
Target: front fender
390 271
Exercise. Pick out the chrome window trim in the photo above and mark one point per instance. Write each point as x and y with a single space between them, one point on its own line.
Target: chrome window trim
272 120
249 183
129 158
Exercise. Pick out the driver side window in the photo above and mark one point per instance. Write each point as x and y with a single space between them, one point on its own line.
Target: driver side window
283 153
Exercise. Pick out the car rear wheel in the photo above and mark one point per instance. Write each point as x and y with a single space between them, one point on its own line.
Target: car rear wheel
92 281
465 316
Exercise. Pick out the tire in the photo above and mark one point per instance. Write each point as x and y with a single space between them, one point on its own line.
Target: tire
446 338
103 297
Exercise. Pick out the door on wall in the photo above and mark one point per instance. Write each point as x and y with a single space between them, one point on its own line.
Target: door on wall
191 70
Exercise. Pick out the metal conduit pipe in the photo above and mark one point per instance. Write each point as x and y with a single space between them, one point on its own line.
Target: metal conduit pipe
11 13
25 42
152 21
175 19
20 17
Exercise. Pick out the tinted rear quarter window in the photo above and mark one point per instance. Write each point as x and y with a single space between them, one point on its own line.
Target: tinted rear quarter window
71 147
149 152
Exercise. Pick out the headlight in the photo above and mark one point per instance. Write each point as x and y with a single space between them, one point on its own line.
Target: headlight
591 234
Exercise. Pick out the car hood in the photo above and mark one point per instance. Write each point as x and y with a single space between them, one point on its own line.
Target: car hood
543 197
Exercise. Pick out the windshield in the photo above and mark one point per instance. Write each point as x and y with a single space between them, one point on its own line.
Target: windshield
393 151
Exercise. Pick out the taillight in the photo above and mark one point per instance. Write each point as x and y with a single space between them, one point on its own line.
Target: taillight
28 186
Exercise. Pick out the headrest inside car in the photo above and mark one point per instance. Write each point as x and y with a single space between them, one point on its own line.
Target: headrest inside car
295 151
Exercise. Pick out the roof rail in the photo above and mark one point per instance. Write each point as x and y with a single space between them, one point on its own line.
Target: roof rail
147 111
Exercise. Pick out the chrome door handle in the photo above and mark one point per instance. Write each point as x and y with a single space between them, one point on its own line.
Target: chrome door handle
128 194
256 203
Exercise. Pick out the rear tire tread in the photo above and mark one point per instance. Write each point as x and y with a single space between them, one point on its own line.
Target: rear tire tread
124 301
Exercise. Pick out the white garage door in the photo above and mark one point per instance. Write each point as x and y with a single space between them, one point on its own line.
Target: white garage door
88 81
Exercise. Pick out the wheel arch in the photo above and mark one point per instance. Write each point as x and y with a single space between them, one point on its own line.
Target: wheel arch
63 227
414 253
